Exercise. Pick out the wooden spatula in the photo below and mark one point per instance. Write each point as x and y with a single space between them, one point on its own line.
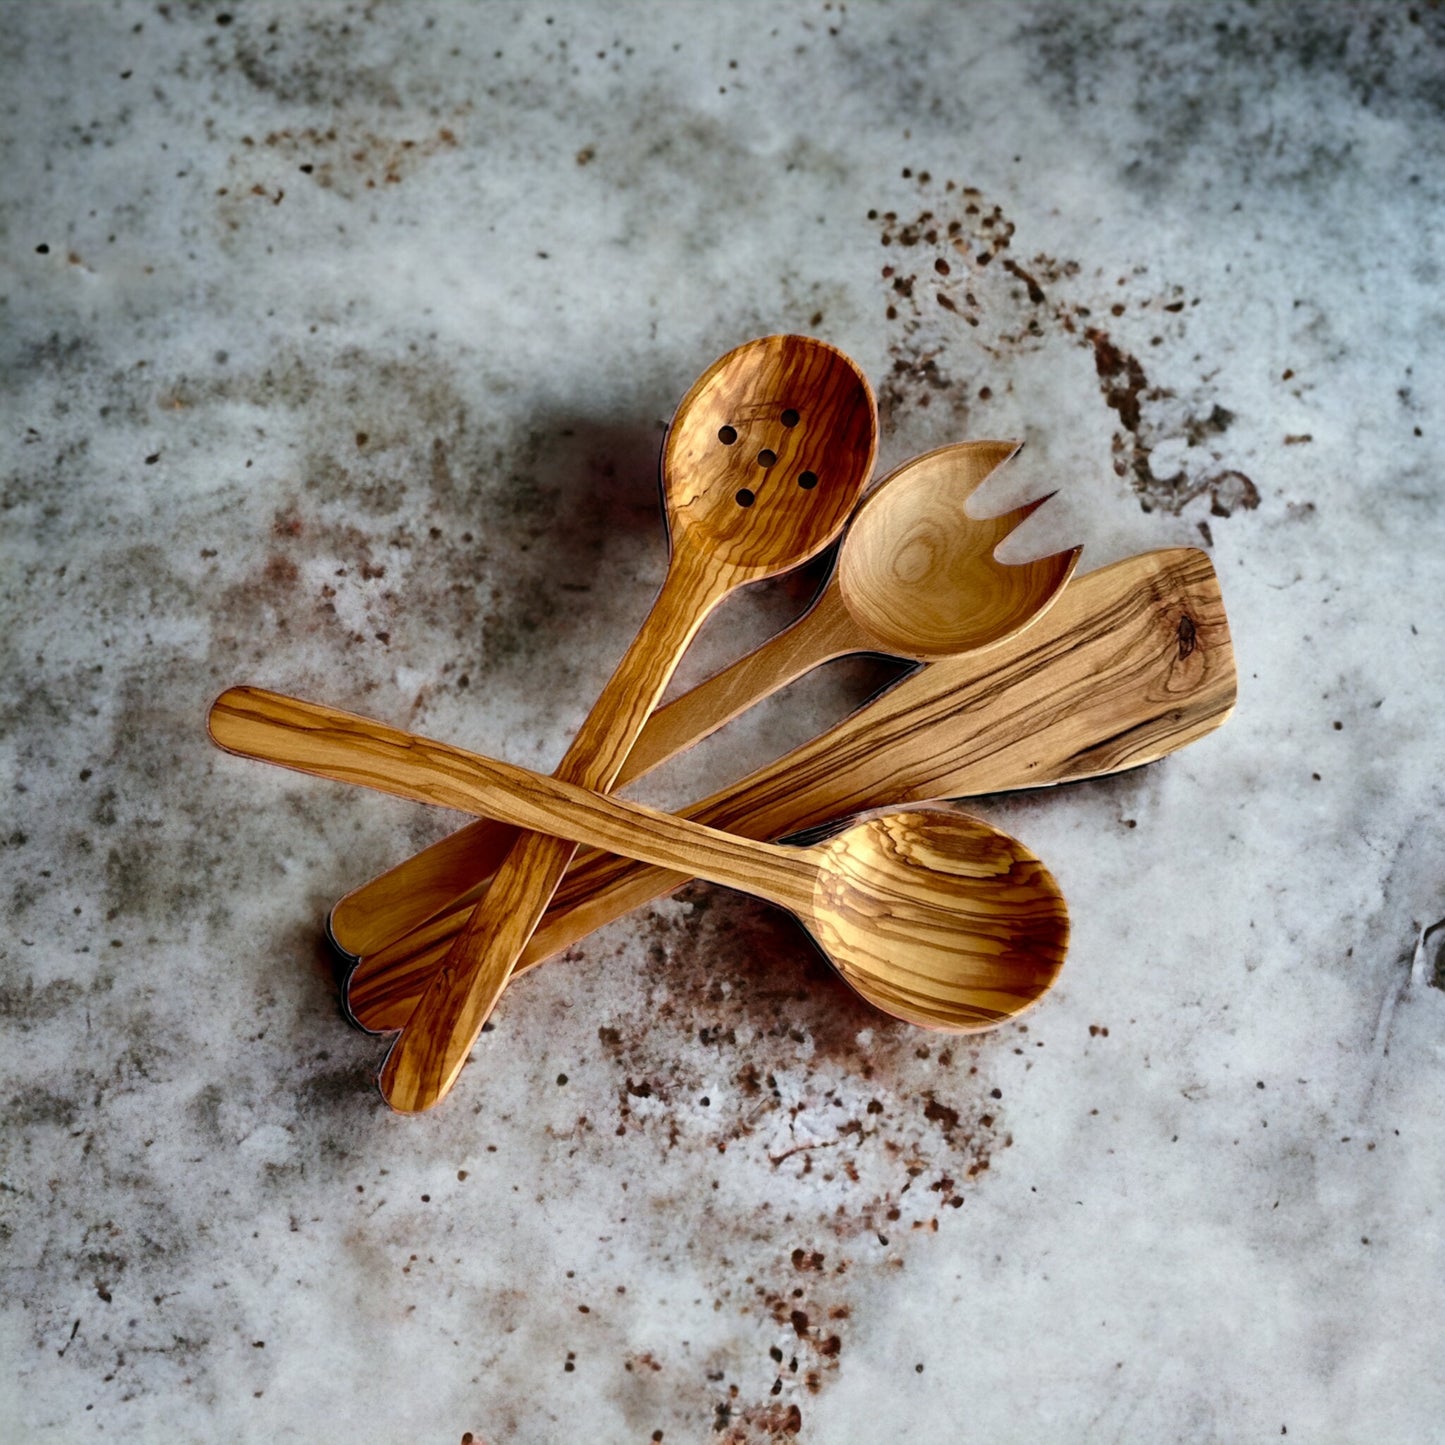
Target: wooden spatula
1133 662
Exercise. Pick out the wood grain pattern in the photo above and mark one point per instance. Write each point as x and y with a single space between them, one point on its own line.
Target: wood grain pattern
933 916
1133 662
916 577
764 462
937 918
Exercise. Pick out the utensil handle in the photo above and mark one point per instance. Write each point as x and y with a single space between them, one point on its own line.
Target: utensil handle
425 1060
454 869
328 743
823 632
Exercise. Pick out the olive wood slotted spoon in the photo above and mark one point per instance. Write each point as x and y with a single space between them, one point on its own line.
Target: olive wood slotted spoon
765 459
915 578
931 915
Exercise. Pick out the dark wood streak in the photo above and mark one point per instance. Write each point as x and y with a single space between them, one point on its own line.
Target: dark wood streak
1187 636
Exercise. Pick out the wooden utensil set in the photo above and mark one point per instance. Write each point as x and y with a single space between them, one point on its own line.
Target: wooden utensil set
1028 677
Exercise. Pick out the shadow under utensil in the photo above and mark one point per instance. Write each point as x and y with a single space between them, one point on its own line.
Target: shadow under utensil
537 549
554 541
732 958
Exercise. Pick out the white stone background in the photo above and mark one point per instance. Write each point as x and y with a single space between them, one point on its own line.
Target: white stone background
409 290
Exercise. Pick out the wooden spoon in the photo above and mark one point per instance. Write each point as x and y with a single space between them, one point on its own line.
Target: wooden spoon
931 915
916 577
764 461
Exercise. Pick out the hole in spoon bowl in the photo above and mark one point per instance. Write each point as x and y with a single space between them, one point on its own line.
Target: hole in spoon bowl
789 418
744 498
808 480
767 458
727 435
748 390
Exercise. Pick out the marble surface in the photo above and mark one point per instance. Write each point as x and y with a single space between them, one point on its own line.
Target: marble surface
337 342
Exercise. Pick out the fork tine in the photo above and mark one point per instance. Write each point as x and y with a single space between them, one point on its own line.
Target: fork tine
1022 513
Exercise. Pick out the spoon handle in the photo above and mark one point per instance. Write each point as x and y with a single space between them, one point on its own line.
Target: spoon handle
823 632
454 869
426 1058
328 743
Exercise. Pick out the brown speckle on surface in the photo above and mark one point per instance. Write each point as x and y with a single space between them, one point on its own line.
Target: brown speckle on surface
930 361
346 161
856 1125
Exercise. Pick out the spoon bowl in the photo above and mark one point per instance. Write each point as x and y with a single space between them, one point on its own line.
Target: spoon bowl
763 455
939 919
917 574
